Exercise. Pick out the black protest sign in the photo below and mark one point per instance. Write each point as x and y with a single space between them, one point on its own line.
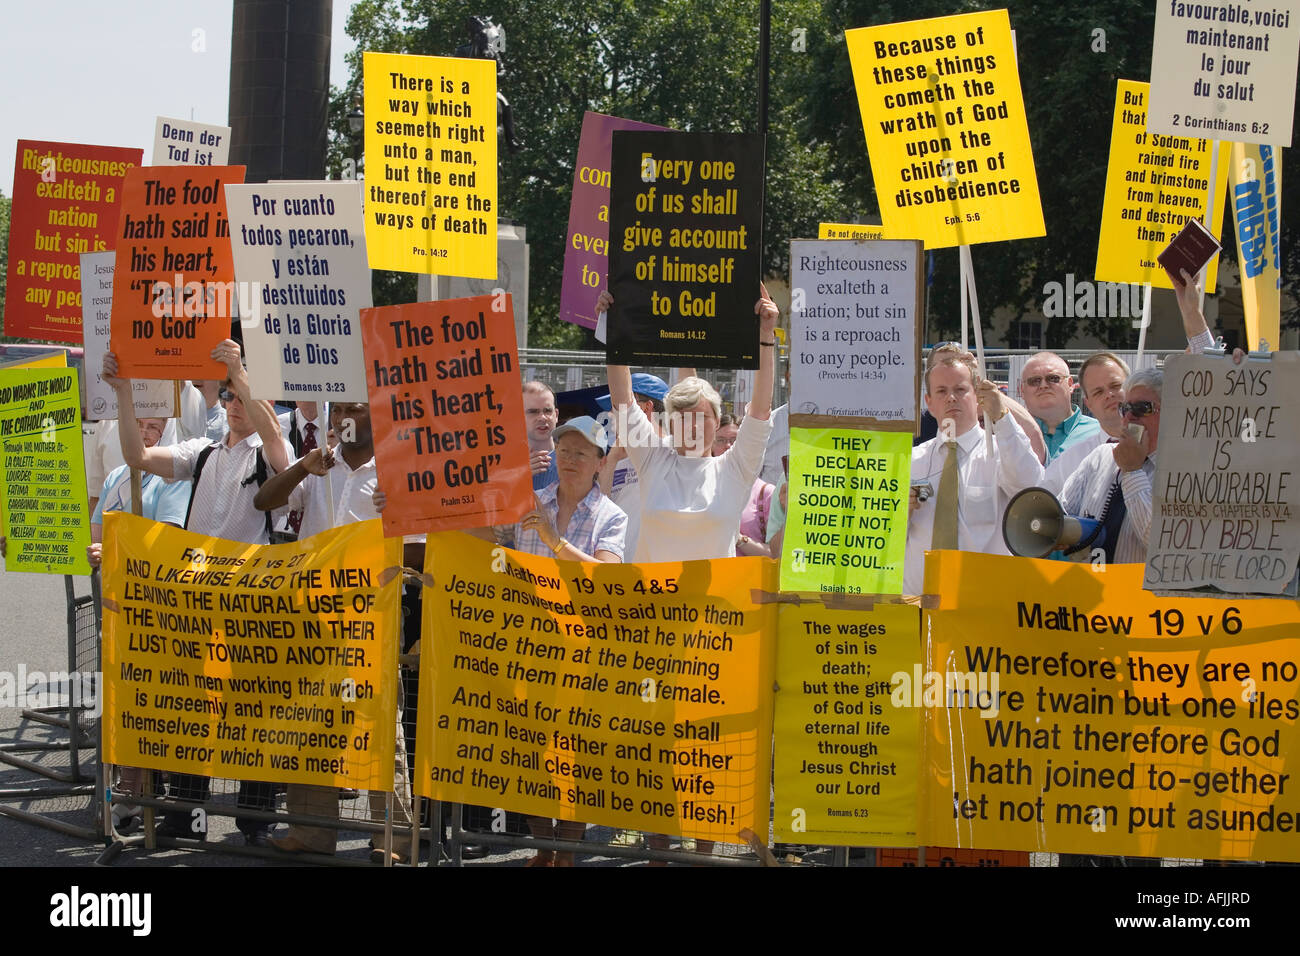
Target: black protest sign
686 219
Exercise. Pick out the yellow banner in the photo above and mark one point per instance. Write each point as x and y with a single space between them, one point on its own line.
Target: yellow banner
431 172
846 761
946 130
1069 710
1257 209
849 230
620 694
1154 184
254 662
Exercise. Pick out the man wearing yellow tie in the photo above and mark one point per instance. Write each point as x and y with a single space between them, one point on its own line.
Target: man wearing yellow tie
961 482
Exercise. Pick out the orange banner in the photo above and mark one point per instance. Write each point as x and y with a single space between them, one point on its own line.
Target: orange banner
65 202
174 284
447 407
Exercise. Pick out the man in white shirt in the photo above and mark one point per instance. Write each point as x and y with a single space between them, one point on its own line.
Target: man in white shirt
965 511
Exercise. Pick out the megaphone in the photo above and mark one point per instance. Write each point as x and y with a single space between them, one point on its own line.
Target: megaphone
1035 525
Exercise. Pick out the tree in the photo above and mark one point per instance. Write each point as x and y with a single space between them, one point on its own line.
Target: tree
679 63
6 205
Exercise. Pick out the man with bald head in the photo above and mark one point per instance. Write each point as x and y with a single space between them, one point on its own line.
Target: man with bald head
1046 387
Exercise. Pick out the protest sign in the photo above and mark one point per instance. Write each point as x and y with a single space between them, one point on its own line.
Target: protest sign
152 398
447 408
1108 721
300 249
46 517
846 763
849 230
186 143
618 694
1225 500
950 856
255 662
686 229
174 290
855 327
1226 71
65 202
846 517
586 247
1154 184
1257 204
431 180
946 130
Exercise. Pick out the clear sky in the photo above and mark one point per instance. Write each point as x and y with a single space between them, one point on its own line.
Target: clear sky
90 71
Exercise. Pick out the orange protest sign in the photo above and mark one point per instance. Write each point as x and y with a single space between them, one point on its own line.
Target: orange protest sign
174 282
447 408
65 202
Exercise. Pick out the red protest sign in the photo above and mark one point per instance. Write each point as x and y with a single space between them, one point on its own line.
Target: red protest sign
174 283
65 202
447 409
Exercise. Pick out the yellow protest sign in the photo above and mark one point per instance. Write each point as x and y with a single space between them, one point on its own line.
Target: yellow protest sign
846 761
1257 208
1154 184
1105 719
256 662
431 180
621 694
946 129
849 230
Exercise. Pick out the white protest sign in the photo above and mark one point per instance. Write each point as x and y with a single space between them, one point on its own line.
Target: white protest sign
855 340
1225 500
301 250
1225 70
186 143
154 398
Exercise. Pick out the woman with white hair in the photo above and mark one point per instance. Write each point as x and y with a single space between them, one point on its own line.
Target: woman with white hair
690 501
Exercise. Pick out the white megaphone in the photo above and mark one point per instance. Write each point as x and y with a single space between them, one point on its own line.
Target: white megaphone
1035 525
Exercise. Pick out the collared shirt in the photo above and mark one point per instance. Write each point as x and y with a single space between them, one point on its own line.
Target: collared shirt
351 490
1086 492
690 507
1078 427
165 501
597 524
223 503
986 484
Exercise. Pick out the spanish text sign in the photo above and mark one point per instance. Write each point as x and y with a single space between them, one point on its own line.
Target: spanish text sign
1225 499
255 662
686 224
846 520
856 312
1225 70
846 760
174 291
65 202
946 129
446 403
431 175
619 694
43 471
1154 184
1105 719
586 248
301 251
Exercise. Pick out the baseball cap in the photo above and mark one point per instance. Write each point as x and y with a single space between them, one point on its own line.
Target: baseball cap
588 428
643 383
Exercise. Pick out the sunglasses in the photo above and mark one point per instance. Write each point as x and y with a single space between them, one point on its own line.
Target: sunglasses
226 395
1137 409
1038 380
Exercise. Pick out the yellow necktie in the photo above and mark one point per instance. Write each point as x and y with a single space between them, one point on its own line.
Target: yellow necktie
945 505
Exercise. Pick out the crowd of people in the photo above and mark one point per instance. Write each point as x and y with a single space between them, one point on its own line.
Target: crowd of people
665 474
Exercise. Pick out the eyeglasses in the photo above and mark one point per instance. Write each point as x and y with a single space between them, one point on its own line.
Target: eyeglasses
1038 380
226 395
1137 409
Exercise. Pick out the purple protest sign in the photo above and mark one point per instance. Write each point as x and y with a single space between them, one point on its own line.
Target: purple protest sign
586 248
